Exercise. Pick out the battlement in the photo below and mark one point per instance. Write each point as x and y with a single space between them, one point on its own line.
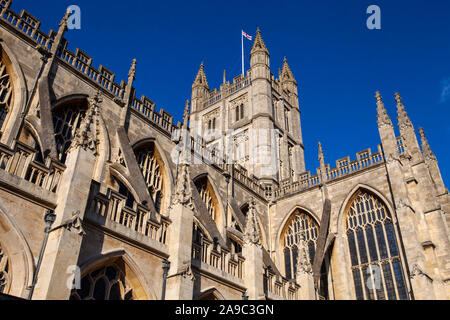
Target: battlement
228 89
29 26
344 167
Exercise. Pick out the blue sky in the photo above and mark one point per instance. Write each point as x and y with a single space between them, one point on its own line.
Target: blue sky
337 61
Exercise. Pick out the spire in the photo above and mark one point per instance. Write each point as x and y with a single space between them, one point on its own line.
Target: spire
428 154
303 262
129 87
383 117
323 169
224 76
62 29
403 120
259 44
286 73
132 72
321 155
251 234
201 80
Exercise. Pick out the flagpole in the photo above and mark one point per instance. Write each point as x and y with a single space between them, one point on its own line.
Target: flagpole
243 66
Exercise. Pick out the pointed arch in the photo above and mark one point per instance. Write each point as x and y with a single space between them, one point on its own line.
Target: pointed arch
210 294
132 284
68 114
156 172
19 92
20 258
120 177
373 246
297 221
210 196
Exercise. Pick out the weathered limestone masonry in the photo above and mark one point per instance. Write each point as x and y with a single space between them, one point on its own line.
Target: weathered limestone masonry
224 197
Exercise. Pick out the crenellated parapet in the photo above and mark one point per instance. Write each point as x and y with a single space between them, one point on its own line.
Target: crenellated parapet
79 61
344 167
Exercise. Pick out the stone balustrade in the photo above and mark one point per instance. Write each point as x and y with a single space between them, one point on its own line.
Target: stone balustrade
344 167
227 90
21 162
82 62
112 206
279 288
219 258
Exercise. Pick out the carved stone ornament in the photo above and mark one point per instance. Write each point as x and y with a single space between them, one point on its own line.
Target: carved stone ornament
183 192
87 135
417 271
75 223
251 234
303 262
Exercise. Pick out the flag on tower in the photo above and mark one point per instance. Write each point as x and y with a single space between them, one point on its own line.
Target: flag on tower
247 36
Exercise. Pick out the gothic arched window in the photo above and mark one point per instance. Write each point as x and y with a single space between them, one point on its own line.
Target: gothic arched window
66 121
106 283
4 271
150 165
374 250
5 93
207 195
302 222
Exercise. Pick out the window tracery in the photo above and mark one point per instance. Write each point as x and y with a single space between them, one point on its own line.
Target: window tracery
374 251
66 121
302 223
4 271
5 93
206 195
151 169
106 283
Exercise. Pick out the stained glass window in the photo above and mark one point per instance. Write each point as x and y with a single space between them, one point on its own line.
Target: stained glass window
374 255
5 93
106 283
302 222
66 121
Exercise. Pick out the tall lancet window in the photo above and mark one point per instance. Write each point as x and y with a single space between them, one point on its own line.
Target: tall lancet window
207 195
374 250
302 222
5 93
67 120
150 165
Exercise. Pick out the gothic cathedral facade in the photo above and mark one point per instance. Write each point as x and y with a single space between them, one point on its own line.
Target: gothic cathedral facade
104 198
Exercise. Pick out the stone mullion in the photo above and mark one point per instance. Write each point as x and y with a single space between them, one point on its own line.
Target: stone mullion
388 248
359 267
369 258
386 296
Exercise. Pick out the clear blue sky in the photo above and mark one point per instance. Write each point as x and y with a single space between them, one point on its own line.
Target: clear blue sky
337 61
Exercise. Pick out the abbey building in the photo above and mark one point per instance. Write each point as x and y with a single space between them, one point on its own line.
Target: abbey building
104 197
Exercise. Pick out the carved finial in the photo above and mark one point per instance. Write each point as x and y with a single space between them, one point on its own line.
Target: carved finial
251 234
65 20
303 262
132 72
403 120
428 154
186 114
87 135
383 117
321 154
